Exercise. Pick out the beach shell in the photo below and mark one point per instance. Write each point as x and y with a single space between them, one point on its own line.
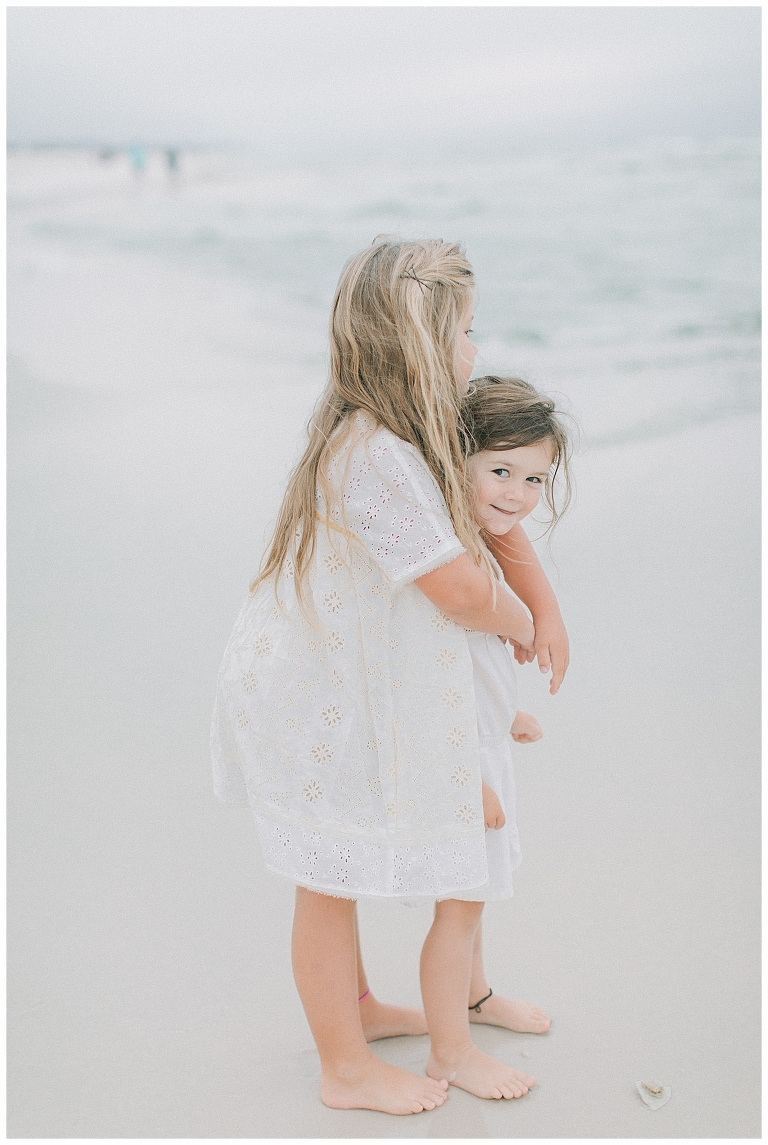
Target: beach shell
653 1094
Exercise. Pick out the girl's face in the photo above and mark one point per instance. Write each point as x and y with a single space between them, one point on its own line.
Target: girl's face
467 348
508 483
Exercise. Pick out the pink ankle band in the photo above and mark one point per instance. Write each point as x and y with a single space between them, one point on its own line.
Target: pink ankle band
365 995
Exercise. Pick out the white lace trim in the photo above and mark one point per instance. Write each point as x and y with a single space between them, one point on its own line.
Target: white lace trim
355 867
438 562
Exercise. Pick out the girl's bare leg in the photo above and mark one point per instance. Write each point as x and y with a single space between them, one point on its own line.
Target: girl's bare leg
446 976
522 1017
380 1020
324 954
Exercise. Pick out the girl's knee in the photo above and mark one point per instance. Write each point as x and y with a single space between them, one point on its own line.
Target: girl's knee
316 901
460 912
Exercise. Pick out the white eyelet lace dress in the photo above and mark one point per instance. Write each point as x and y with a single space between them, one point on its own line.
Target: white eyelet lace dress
496 697
354 738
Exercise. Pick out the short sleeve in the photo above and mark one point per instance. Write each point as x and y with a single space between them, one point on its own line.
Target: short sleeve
392 503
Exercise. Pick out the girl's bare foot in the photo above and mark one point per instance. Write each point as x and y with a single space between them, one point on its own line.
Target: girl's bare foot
383 1021
481 1074
522 1017
386 1088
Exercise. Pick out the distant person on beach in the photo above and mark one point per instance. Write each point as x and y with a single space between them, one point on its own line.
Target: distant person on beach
346 710
138 158
172 160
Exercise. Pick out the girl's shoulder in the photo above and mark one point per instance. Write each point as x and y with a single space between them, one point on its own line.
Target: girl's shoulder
370 463
370 443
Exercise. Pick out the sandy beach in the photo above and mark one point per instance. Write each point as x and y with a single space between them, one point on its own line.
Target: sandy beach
167 342
151 992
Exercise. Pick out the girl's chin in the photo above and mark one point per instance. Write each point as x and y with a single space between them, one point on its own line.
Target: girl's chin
500 524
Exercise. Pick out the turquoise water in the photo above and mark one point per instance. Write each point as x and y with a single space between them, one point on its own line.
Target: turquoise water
624 278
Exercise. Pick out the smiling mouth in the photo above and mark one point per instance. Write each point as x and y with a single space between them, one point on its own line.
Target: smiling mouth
506 512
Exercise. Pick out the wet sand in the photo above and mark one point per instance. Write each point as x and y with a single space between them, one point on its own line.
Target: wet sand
151 993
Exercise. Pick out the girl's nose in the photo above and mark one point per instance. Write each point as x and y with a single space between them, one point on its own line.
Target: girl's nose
513 494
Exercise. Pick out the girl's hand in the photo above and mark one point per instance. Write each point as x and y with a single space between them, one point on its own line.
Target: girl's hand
522 654
523 646
525 728
492 812
551 647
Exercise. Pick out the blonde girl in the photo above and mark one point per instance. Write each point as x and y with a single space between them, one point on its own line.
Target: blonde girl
345 709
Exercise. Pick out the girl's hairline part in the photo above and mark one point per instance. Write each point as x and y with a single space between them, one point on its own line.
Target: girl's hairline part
502 446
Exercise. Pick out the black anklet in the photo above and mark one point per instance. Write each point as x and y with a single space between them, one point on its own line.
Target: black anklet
477 1005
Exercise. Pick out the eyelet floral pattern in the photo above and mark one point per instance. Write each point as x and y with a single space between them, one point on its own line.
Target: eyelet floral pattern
297 724
322 753
331 716
312 791
466 813
348 724
456 737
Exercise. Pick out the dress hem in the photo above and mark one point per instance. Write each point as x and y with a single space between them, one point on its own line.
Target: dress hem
406 897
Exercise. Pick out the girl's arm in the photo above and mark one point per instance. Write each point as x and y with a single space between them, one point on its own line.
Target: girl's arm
464 593
527 579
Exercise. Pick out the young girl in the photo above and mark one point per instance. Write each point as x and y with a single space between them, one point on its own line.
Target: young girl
345 710
516 446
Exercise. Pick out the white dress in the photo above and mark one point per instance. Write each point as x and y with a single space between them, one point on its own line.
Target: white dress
496 699
353 735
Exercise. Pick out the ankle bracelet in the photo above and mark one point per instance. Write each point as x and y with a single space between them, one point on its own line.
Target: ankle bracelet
477 1005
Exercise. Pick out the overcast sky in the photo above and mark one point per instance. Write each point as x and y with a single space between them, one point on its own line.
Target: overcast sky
306 76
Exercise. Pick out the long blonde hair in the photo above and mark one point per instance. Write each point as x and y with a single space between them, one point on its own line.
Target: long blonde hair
395 326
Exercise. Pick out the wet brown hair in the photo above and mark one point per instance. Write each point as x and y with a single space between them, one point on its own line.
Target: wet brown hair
506 413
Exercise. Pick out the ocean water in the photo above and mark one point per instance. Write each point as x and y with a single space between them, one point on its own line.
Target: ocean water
623 279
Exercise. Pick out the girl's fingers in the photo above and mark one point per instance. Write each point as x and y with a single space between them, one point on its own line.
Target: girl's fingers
558 671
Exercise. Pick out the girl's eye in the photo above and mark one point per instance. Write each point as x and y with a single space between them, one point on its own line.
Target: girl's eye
537 480
501 472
